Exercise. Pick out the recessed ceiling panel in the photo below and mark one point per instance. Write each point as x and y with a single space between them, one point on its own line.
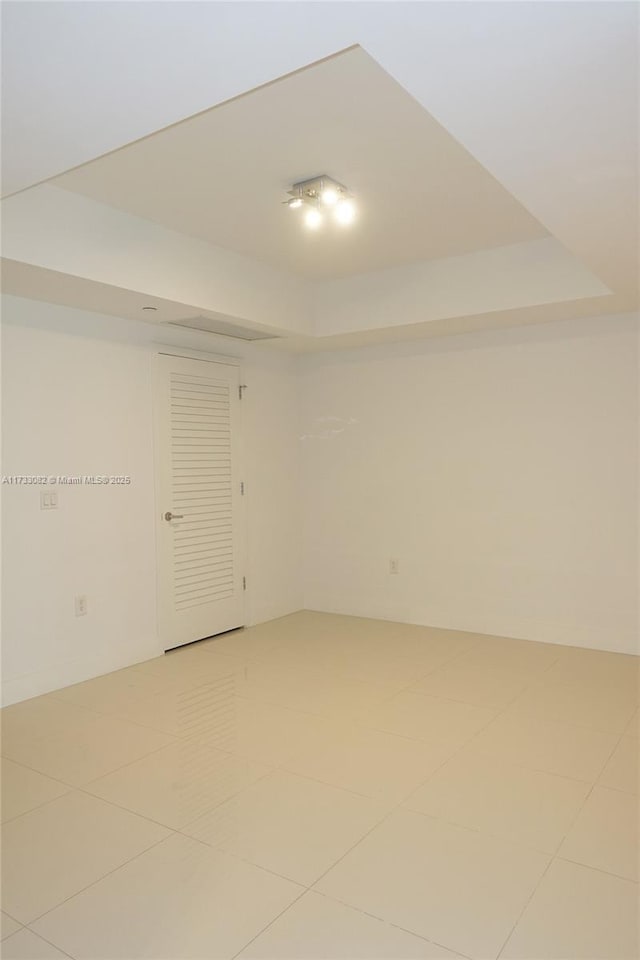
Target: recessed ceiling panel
223 174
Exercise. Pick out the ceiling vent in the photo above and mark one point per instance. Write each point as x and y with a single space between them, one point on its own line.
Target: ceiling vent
223 329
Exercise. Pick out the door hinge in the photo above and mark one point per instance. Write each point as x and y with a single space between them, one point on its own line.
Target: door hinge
241 390
244 583
242 488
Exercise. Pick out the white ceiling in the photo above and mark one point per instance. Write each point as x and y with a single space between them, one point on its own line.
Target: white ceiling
543 95
222 176
36 283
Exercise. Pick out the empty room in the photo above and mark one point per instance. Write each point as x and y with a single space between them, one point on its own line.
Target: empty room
320 480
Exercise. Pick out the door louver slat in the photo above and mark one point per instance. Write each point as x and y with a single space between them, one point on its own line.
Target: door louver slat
200 444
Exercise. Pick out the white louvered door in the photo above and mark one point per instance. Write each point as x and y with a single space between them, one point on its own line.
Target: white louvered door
198 499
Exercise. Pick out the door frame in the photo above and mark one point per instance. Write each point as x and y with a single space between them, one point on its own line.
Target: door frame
163 349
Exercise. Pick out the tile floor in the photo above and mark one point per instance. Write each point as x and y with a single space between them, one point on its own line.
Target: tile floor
328 787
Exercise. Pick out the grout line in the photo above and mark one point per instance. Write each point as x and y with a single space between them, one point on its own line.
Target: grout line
165 746
588 866
235 856
435 943
387 922
555 856
11 917
522 912
627 793
120 805
271 922
455 754
50 942
69 788
122 766
483 832
73 788
366 913
595 784
325 783
99 879
500 713
123 809
382 820
21 763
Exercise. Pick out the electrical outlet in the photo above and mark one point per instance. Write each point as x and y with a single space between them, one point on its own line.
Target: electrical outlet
81 606
394 566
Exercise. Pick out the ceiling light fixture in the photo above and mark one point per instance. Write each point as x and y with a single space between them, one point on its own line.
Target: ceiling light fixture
319 193
345 212
313 218
329 196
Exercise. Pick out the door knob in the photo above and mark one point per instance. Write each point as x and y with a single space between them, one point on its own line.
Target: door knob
173 516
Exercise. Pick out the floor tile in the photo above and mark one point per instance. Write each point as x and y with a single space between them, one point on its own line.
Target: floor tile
178 783
366 660
490 685
190 664
23 722
248 643
373 763
296 827
311 690
456 887
24 789
560 748
605 708
427 645
596 667
302 649
52 852
633 727
605 834
204 708
280 752
268 733
77 745
526 806
295 657
272 682
526 655
622 771
361 649
397 673
422 717
577 914
25 945
182 900
113 691
339 698
318 928
7 925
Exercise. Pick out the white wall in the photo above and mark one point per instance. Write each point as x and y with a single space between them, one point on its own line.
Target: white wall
500 469
77 400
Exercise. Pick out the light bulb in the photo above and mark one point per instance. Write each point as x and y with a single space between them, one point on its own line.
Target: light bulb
345 212
329 196
313 218
295 203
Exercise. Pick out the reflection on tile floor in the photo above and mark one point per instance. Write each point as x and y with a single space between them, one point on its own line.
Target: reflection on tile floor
328 788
